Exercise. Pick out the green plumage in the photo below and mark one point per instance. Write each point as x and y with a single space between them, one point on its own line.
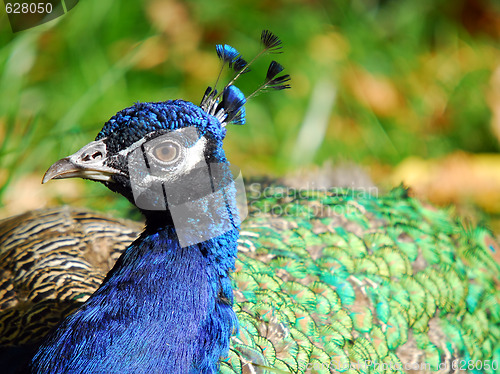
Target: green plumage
332 281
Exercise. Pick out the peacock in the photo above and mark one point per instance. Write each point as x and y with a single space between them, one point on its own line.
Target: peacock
294 281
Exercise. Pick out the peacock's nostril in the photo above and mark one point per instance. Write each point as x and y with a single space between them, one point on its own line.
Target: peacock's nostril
86 157
97 155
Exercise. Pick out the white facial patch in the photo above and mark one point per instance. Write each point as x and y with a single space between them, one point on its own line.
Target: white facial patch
169 171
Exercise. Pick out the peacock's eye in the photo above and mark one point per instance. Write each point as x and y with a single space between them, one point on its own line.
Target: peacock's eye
166 152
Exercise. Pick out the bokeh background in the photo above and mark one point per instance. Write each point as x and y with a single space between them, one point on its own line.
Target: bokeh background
397 90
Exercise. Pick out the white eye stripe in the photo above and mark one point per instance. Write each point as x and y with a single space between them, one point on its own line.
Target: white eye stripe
189 134
195 154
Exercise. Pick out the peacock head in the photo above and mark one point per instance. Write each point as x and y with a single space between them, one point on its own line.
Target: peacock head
167 157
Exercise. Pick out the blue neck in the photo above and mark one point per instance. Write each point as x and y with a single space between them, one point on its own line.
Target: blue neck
161 309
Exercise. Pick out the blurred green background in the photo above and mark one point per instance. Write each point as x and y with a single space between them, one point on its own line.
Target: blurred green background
408 90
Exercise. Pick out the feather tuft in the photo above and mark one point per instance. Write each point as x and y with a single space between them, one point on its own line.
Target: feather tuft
232 104
274 69
279 83
240 117
271 42
209 101
239 64
228 106
229 55
226 53
274 82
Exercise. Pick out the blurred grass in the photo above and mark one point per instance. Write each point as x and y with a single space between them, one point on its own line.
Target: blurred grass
375 82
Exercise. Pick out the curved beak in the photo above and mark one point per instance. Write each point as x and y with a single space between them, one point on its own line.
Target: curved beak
88 163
